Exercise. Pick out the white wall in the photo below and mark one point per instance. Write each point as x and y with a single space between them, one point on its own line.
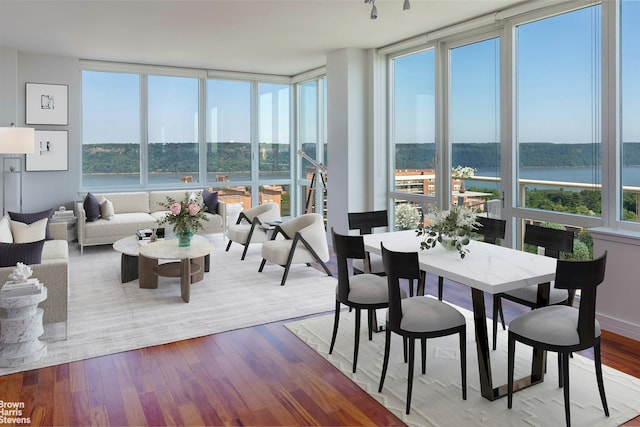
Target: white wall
43 190
617 306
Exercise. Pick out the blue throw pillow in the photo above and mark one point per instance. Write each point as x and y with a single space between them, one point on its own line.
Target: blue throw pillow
27 253
210 200
30 218
91 207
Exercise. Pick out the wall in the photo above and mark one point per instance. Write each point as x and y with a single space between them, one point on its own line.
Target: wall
43 190
617 305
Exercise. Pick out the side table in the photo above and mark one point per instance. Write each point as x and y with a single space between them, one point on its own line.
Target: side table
20 327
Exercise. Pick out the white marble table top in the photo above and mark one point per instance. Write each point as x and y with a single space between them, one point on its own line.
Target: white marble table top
489 268
169 249
128 245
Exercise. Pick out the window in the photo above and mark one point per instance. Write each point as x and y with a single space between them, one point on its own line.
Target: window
110 129
312 131
228 131
630 108
274 140
173 130
474 118
558 113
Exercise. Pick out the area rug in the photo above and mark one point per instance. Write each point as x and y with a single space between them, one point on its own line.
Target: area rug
107 316
437 396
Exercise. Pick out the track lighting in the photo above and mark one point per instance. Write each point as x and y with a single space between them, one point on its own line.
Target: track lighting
374 9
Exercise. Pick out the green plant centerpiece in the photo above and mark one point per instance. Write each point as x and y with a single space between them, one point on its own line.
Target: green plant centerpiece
407 216
186 216
452 229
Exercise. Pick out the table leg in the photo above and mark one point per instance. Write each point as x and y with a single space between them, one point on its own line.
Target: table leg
202 262
148 279
482 345
128 268
538 363
185 279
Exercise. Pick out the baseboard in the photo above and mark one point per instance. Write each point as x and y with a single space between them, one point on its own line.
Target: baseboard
619 327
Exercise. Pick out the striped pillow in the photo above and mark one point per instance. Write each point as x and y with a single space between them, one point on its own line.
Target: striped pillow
27 253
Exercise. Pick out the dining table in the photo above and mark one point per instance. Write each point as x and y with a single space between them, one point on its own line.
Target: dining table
486 268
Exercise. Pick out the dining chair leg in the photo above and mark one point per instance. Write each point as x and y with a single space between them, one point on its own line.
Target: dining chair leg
370 321
560 376
385 361
423 343
494 321
336 320
463 361
511 349
565 374
598 362
356 343
404 348
412 345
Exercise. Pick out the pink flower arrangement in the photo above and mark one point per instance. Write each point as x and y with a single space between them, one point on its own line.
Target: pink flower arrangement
186 216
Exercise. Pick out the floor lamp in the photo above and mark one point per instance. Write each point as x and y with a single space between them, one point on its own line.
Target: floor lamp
14 140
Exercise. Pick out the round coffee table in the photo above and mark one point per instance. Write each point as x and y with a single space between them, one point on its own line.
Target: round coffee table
129 248
190 267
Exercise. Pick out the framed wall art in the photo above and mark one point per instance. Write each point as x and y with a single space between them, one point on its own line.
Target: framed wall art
51 153
47 104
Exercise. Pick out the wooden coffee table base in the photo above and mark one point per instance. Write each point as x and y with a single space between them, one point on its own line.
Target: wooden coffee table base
189 270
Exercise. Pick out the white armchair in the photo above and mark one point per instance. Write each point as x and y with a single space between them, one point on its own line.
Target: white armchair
304 241
247 229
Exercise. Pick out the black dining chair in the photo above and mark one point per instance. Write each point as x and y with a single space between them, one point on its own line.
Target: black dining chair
564 329
360 292
366 223
491 230
417 317
554 242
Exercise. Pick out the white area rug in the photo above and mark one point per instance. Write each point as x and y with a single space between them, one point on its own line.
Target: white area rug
437 396
106 316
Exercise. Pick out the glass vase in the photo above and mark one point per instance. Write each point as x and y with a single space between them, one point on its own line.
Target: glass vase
449 243
184 239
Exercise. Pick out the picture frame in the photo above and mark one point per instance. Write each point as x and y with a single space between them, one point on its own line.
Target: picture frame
46 104
51 151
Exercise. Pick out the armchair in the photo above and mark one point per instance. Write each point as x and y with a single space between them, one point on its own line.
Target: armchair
303 241
247 229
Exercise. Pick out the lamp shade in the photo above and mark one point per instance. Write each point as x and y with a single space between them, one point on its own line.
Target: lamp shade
15 140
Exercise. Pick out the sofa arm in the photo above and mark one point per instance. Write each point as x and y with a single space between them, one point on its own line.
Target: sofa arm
58 230
81 216
222 211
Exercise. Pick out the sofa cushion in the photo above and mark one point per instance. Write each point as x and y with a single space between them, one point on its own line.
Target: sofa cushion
55 251
210 199
128 202
91 207
27 253
106 209
122 224
5 230
27 233
30 218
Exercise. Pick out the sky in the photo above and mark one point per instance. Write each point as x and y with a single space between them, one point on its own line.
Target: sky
557 63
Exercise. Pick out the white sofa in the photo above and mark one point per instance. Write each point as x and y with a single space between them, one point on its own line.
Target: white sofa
53 272
138 210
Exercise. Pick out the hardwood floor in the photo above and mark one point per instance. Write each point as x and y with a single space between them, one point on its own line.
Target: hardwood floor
255 376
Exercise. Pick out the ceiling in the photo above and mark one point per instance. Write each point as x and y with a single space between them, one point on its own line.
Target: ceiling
259 36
